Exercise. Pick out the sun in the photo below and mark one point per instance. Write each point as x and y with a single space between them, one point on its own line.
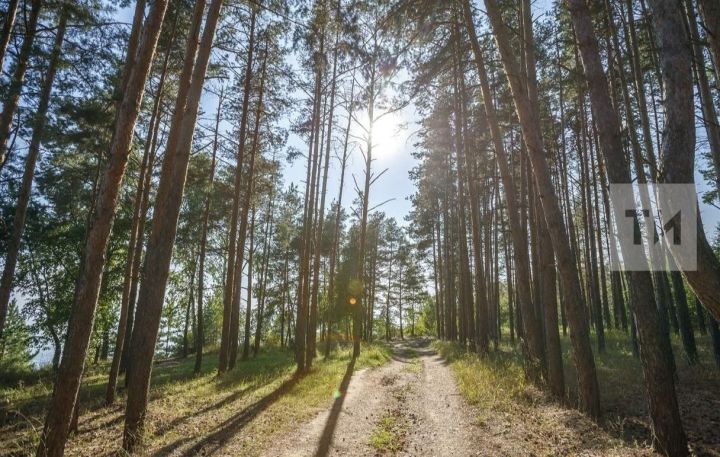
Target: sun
389 134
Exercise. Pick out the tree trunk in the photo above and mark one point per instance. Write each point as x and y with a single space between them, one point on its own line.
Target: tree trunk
464 165
8 25
188 310
710 12
165 219
248 301
338 214
302 320
678 147
710 119
200 336
130 281
715 335
247 203
565 257
87 286
229 290
40 118
683 316
532 346
264 272
12 96
669 437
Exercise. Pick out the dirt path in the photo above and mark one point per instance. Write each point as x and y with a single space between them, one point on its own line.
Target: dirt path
411 406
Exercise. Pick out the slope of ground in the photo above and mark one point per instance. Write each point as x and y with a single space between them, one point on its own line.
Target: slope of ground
191 415
517 419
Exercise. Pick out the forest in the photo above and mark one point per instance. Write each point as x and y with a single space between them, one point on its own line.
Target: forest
359 227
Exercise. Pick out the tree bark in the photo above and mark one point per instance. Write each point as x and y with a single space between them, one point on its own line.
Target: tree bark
87 287
12 97
338 214
162 237
532 347
710 119
127 304
668 435
710 12
200 336
248 301
247 203
39 120
312 324
565 257
266 253
229 290
8 25
678 148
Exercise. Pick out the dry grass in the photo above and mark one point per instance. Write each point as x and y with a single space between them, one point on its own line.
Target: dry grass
520 419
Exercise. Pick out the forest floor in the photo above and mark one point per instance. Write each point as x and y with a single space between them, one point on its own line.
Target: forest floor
417 397
238 414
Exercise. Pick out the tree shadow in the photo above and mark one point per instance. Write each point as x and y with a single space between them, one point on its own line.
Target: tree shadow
254 374
327 435
215 440
213 406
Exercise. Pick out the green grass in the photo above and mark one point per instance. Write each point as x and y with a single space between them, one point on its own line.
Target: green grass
240 410
413 364
493 382
389 434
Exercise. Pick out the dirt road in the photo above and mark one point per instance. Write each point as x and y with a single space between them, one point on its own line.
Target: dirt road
410 406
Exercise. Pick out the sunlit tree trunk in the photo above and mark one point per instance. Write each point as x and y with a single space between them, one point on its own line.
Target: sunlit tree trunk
134 254
52 442
164 228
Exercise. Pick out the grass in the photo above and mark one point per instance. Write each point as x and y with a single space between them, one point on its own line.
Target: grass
238 412
497 386
389 434
413 365
491 383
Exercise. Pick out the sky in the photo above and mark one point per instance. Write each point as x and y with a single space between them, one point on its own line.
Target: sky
394 138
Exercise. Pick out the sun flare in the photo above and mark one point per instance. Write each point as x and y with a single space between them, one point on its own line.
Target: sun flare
389 134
